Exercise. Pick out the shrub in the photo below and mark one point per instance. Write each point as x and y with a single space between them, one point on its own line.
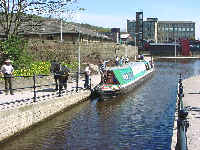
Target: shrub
15 48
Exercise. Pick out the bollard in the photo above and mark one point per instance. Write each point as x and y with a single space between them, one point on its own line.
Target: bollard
59 86
90 83
59 92
34 87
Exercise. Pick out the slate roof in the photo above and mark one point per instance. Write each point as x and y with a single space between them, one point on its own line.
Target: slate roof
51 26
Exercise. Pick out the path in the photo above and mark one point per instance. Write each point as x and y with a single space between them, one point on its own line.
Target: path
191 99
26 95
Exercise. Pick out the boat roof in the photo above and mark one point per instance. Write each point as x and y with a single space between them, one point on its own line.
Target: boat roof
134 63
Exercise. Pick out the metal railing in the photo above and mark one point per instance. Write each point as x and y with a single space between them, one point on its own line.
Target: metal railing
75 77
182 122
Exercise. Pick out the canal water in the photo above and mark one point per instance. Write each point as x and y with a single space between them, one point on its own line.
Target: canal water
140 120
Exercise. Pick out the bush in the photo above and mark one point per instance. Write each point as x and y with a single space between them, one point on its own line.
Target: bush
15 48
41 68
38 68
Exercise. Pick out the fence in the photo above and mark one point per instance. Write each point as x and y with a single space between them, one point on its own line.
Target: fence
75 79
182 122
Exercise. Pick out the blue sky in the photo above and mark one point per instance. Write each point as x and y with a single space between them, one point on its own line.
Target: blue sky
113 13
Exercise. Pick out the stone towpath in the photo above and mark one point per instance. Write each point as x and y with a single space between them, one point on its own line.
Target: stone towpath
24 94
191 99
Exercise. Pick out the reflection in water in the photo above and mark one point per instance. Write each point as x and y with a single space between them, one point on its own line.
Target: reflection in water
143 119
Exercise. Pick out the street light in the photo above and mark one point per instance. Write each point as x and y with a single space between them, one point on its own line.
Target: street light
135 47
79 54
135 44
61 34
79 32
175 48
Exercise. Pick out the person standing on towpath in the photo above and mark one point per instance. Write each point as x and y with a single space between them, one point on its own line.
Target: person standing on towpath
55 69
7 71
63 77
87 76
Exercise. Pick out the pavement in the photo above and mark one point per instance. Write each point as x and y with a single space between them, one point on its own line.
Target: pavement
191 99
25 96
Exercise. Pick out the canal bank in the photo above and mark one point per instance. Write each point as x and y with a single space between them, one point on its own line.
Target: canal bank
16 116
143 119
191 91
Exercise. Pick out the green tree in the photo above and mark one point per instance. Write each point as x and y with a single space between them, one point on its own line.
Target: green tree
15 48
17 15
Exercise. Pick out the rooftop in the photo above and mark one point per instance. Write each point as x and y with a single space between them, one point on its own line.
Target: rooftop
176 22
53 26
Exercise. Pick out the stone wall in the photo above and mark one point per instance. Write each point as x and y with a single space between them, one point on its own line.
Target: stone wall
19 118
48 50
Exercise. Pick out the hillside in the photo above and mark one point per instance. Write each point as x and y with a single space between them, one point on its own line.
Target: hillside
44 25
91 27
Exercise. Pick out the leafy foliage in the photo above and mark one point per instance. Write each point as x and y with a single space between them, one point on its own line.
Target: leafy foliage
41 68
15 48
16 14
37 68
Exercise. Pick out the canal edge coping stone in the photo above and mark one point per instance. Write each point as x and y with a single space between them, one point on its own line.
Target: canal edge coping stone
16 120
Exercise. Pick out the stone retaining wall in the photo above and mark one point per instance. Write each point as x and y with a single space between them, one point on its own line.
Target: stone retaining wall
48 50
19 118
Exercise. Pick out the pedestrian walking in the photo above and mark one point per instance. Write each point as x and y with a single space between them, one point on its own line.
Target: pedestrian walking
87 76
7 71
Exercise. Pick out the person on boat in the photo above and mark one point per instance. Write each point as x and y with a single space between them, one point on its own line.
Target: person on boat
121 61
140 57
117 61
109 77
101 70
126 60
87 76
105 62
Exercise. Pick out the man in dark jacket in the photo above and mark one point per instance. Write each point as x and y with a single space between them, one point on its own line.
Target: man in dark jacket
55 69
